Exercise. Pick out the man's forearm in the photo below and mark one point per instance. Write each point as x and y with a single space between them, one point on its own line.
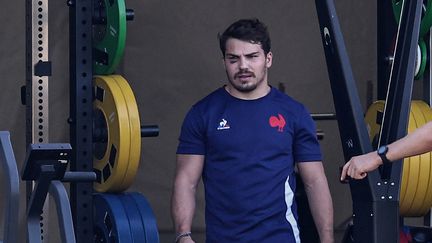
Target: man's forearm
321 207
183 208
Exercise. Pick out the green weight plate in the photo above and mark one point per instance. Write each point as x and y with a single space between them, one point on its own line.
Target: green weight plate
109 37
426 20
110 221
148 218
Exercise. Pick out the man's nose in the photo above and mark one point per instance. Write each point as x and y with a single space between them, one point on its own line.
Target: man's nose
243 64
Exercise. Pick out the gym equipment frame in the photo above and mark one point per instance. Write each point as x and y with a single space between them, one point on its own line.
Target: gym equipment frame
81 114
375 198
11 181
46 164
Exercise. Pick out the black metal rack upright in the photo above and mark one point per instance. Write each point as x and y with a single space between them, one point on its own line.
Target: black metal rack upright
81 110
386 30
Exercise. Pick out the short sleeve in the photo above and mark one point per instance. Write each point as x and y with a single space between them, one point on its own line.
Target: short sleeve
192 134
306 146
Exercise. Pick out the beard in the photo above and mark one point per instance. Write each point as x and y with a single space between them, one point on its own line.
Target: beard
245 86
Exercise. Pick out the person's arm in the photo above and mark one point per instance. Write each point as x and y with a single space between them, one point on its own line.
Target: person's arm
187 177
415 143
319 198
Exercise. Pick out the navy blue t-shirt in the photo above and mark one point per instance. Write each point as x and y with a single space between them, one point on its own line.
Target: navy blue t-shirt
250 147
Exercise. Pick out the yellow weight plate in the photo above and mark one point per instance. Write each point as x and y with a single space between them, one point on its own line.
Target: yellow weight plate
415 181
135 130
415 193
427 202
371 118
423 167
111 165
409 170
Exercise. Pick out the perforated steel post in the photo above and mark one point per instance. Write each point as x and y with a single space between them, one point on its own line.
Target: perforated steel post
38 68
80 61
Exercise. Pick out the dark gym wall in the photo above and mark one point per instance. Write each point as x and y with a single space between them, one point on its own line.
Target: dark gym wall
172 59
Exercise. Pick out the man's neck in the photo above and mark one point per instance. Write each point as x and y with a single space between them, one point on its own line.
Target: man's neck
253 95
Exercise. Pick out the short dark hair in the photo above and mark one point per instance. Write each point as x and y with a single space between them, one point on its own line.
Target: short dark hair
251 30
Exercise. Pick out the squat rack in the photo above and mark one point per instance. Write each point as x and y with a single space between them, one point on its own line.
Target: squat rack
35 97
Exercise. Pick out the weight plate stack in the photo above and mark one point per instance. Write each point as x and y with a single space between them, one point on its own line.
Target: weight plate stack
147 217
124 218
133 214
111 224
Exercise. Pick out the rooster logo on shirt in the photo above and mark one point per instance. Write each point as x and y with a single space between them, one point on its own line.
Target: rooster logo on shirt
223 125
278 122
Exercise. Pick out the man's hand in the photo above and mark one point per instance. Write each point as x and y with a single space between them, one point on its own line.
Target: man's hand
358 166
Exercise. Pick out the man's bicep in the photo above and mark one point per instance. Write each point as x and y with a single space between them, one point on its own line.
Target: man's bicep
190 166
310 171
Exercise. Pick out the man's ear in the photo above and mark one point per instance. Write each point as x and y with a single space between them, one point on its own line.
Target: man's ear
269 59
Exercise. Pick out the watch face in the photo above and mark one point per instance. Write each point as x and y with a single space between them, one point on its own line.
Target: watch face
382 149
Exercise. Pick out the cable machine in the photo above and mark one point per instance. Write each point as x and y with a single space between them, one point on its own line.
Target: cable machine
375 198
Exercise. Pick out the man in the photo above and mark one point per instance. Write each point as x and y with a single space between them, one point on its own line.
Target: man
415 143
244 139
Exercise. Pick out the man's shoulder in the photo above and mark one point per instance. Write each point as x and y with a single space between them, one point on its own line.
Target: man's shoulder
216 95
286 100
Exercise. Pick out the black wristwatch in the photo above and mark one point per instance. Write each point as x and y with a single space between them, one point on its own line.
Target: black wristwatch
382 151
